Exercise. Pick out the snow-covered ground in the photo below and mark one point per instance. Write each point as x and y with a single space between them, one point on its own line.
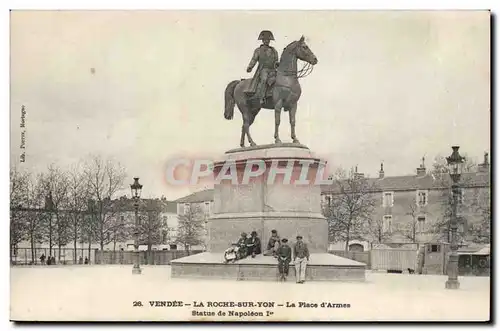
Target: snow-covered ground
109 293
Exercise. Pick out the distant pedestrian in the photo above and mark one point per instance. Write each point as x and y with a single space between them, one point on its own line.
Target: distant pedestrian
49 260
42 259
300 257
284 254
86 260
80 260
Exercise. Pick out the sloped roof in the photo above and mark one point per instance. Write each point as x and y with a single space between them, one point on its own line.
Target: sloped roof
126 204
200 196
414 182
391 183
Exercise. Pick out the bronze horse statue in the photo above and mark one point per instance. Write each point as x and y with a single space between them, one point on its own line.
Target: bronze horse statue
286 92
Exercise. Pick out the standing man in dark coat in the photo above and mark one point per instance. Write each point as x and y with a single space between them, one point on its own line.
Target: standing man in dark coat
268 60
284 257
301 258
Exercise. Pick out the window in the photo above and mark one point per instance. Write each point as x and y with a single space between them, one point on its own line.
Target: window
421 223
186 208
422 198
328 200
388 199
207 207
387 223
433 248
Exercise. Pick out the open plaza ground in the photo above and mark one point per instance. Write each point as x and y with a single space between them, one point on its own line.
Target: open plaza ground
110 293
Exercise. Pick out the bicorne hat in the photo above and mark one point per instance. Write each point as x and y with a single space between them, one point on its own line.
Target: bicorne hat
266 34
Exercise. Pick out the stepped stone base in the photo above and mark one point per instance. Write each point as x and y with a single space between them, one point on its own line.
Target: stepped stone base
321 267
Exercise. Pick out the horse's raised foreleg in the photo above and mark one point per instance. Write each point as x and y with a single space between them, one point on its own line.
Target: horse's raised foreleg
277 120
291 114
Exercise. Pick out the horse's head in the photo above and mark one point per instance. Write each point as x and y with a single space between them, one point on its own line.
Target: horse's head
304 53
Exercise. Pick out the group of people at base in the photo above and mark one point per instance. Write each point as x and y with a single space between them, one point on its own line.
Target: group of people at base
276 247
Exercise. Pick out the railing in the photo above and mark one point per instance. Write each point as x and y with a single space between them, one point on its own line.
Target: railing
27 256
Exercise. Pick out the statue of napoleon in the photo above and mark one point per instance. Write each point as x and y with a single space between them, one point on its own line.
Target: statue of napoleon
265 74
275 85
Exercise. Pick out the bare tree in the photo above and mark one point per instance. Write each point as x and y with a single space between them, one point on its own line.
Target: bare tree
191 227
351 207
55 183
89 225
34 212
481 232
152 226
440 166
18 225
442 227
106 178
78 195
120 230
411 228
376 232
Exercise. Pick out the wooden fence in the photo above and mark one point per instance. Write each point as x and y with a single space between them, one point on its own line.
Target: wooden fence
393 259
151 257
27 256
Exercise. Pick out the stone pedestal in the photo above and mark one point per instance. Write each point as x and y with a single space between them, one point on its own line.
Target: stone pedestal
271 200
260 189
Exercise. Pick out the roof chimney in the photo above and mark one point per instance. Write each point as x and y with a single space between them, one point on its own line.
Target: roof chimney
421 170
381 172
358 175
485 166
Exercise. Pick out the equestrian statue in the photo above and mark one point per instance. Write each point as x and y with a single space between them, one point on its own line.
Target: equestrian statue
275 85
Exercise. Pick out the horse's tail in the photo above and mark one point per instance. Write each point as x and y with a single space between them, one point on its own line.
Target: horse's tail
229 100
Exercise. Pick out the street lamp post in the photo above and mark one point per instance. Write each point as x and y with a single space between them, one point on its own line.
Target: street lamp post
136 189
455 161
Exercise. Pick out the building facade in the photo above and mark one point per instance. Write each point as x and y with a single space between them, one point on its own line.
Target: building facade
409 209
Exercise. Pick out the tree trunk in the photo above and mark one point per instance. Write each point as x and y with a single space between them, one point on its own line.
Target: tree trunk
90 246
32 247
59 253
75 237
50 234
75 252
150 257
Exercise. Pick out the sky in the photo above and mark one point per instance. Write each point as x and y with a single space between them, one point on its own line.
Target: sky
143 87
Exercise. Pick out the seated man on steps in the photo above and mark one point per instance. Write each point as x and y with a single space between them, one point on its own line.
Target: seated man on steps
273 244
253 245
242 246
284 254
231 254
238 250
